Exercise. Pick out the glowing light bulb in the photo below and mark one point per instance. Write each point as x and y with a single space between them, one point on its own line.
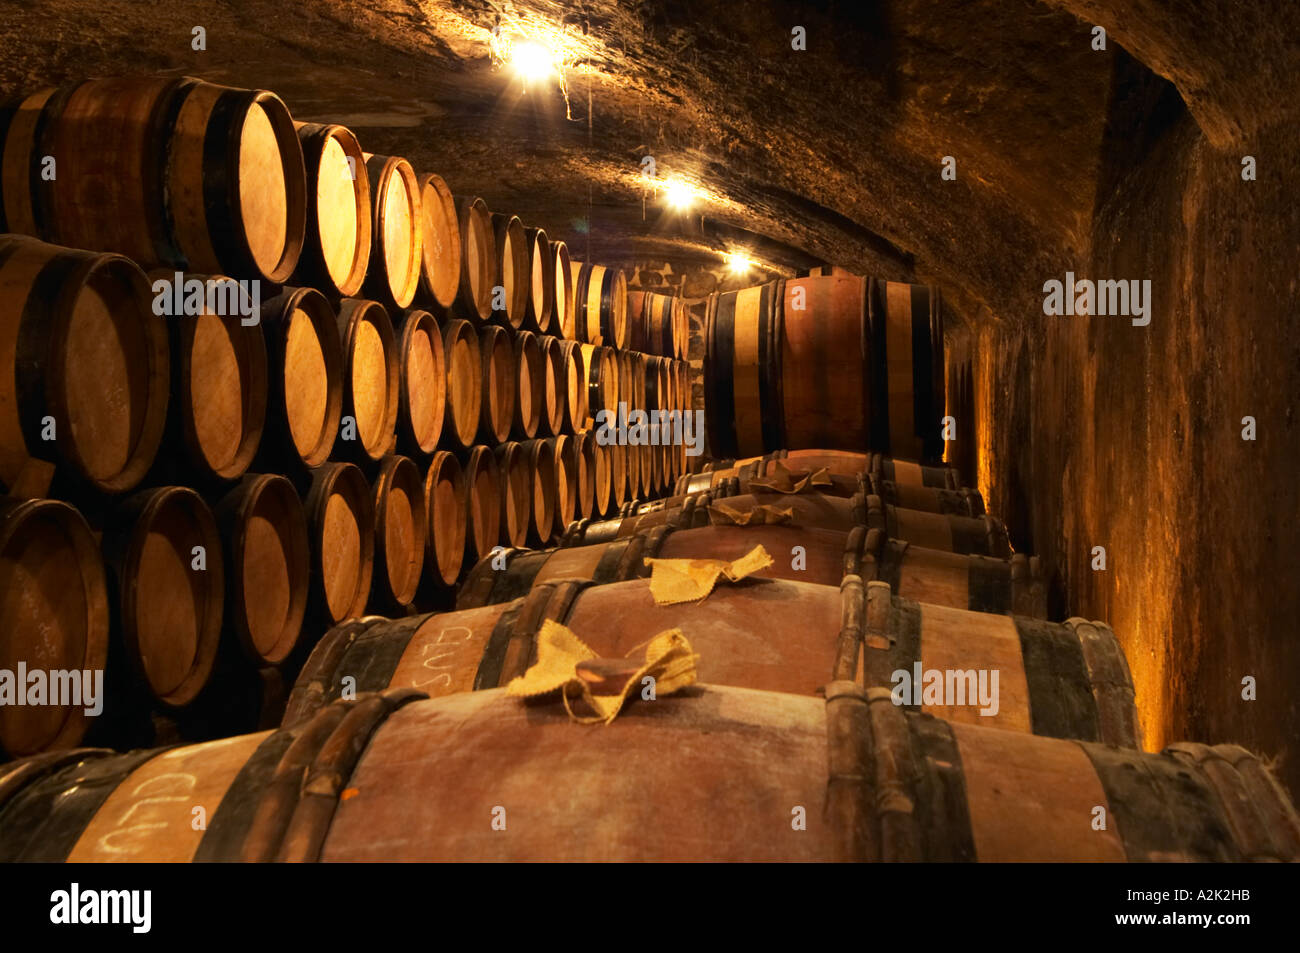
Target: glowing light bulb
739 264
679 195
532 61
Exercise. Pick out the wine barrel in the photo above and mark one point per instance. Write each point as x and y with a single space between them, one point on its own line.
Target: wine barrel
545 491
985 536
440 245
497 385
601 364
977 583
511 270
164 555
563 325
478 261
400 525
396 230
516 496
371 378
602 478
464 365
592 472
54 602
618 477
657 323
397 778
813 510
267 555
1060 680
336 249
530 374
79 343
836 362
483 492
764 468
341 522
576 388
446 508
963 502
600 302
422 393
540 317
185 174
305 382
877 464
218 407
556 382
570 474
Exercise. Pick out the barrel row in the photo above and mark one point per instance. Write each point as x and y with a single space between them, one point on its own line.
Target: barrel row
226 384
219 180
397 777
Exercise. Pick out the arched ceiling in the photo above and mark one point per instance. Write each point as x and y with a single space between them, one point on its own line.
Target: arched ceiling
829 154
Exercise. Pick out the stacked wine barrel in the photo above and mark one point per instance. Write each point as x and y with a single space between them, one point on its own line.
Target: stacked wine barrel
400 743
260 381
323 518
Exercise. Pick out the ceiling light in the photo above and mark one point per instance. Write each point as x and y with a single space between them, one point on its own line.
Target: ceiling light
532 61
679 195
739 264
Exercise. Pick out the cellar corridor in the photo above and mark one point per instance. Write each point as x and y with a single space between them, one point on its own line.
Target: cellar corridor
984 148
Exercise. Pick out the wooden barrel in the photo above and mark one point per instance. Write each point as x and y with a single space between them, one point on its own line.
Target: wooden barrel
913 474
801 554
164 555
576 387
530 374
544 490
396 778
600 301
267 554
483 492
396 230
657 323
601 364
341 521
446 509
587 472
963 502
478 253
541 282
563 325
836 361
516 495
218 407
464 365
764 468
400 525
305 380
556 382
79 343
1060 680
618 477
54 601
371 378
440 245
985 536
908 393
336 248
185 174
602 477
422 393
564 453
512 271
497 385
